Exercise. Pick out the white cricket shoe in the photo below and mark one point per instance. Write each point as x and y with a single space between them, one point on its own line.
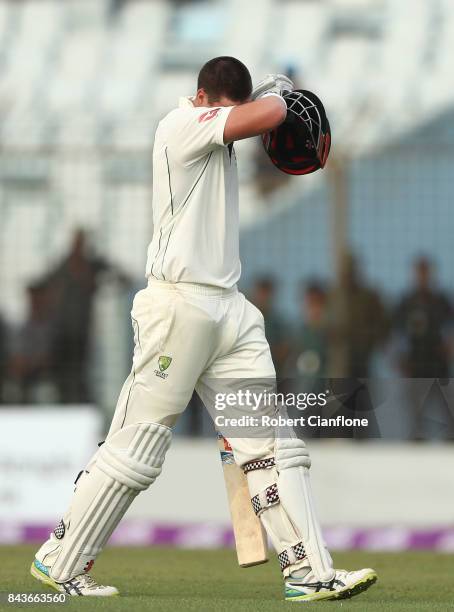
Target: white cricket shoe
342 586
78 586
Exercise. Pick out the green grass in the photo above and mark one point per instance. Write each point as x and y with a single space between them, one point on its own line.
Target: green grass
166 580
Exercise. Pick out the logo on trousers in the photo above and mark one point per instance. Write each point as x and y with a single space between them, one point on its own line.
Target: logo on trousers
163 364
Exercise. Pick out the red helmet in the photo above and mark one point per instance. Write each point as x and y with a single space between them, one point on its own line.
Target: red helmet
301 144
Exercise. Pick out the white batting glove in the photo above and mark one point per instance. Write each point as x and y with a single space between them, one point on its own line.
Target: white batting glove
272 83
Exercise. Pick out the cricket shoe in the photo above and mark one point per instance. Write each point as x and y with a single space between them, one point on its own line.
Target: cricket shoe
78 586
342 586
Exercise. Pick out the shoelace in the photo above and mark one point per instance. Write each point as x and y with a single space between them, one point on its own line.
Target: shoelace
88 582
342 572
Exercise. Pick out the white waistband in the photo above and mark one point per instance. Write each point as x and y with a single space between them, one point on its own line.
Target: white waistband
192 288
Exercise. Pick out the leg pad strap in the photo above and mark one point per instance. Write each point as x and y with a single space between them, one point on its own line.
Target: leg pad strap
259 464
266 498
291 555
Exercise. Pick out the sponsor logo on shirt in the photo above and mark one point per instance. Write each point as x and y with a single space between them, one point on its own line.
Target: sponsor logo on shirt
211 114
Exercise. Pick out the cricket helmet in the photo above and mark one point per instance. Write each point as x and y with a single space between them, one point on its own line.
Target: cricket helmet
301 144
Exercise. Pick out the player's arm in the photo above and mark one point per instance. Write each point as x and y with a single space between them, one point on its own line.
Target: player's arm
254 118
267 110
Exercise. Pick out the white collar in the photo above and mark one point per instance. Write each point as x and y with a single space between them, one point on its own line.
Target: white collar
186 101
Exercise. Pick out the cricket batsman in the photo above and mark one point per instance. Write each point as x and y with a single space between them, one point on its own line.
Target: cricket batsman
191 326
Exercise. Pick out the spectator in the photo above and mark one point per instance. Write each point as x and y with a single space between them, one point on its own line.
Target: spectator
31 362
306 364
358 323
358 327
74 283
424 318
310 341
263 294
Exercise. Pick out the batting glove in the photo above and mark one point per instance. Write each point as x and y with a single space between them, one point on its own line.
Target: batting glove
272 83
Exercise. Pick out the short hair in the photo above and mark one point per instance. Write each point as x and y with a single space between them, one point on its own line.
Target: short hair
225 76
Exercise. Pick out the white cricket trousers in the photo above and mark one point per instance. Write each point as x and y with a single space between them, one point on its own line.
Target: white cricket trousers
188 336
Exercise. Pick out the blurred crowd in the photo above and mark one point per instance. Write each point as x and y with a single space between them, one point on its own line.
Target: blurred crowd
342 331
343 327
47 358
348 333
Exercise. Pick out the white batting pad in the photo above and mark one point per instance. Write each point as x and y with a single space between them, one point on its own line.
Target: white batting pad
286 540
128 462
295 493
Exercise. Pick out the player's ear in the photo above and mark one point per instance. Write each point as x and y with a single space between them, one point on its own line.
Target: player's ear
201 97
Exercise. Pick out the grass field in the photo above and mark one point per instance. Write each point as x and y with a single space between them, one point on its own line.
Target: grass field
182 580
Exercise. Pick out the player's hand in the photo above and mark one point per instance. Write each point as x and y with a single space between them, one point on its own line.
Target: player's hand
272 83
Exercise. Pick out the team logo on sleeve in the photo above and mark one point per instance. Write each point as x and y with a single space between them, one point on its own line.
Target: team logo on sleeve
163 364
211 114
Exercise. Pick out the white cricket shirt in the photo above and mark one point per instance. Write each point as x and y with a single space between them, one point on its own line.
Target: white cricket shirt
195 199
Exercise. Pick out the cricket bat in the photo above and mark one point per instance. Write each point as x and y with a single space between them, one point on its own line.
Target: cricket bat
250 537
